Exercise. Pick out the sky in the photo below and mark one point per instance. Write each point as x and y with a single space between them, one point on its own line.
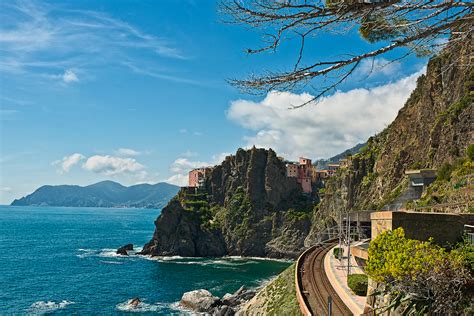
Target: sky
138 92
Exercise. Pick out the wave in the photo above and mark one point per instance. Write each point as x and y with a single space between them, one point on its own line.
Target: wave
227 261
106 253
43 307
143 307
110 262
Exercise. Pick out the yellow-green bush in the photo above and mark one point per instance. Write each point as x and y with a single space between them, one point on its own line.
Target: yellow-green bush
425 276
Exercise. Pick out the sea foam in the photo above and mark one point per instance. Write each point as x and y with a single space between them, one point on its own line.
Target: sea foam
43 307
143 307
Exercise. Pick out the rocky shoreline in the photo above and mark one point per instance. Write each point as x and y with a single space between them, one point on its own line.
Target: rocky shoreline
203 301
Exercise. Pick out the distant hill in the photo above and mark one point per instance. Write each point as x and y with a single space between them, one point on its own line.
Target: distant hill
102 194
322 163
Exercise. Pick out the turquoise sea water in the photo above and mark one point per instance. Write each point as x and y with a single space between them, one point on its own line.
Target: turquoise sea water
62 261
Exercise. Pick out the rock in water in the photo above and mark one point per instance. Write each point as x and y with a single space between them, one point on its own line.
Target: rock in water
134 302
200 301
223 311
240 296
123 250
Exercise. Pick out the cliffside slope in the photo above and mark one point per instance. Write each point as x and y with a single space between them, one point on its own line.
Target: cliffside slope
432 130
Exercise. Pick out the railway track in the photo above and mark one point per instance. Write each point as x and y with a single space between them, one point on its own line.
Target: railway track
315 285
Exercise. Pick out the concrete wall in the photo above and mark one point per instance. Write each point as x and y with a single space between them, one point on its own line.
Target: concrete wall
444 228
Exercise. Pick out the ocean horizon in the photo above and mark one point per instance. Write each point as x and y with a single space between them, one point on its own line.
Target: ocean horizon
62 260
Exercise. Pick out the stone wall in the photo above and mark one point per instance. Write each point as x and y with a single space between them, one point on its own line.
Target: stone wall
444 228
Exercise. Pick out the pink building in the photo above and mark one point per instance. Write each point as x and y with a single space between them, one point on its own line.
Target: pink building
197 176
302 171
305 170
291 170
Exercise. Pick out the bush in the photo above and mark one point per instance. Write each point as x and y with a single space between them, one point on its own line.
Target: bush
444 172
336 251
358 283
470 152
429 278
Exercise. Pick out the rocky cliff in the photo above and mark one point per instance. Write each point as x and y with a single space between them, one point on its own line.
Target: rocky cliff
247 206
433 130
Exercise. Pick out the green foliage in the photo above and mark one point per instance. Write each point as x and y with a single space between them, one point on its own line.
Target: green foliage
369 179
294 216
278 297
337 251
238 212
392 256
358 283
450 183
444 172
376 27
470 152
394 194
418 275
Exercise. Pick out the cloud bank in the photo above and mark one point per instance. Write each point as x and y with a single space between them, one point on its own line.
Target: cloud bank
68 162
322 129
181 166
111 166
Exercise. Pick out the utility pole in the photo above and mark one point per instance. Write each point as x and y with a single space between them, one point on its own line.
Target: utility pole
340 228
348 245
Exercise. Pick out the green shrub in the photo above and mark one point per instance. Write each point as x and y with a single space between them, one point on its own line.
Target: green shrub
470 152
337 251
358 283
428 278
444 172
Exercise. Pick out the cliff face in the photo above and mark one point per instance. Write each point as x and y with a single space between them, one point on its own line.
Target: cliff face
247 207
434 128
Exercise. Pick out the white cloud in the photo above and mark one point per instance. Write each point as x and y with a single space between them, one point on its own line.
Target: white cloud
6 189
178 179
112 166
31 30
70 76
181 166
322 129
128 152
68 162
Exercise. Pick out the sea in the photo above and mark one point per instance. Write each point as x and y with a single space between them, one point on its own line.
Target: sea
62 261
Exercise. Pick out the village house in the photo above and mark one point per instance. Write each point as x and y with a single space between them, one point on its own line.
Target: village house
197 176
332 168
303 172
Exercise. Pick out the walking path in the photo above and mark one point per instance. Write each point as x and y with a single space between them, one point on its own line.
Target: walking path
336 272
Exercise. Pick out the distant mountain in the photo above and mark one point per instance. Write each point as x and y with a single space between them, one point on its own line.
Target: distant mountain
322 163
102 194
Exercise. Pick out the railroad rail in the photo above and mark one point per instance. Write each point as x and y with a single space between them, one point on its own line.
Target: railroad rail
312 285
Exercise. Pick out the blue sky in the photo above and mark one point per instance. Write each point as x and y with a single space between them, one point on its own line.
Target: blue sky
136 92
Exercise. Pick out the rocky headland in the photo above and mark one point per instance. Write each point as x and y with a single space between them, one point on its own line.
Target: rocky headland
246 207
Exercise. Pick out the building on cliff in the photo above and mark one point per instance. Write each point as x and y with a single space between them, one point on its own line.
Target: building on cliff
197 176
332 168
303 172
